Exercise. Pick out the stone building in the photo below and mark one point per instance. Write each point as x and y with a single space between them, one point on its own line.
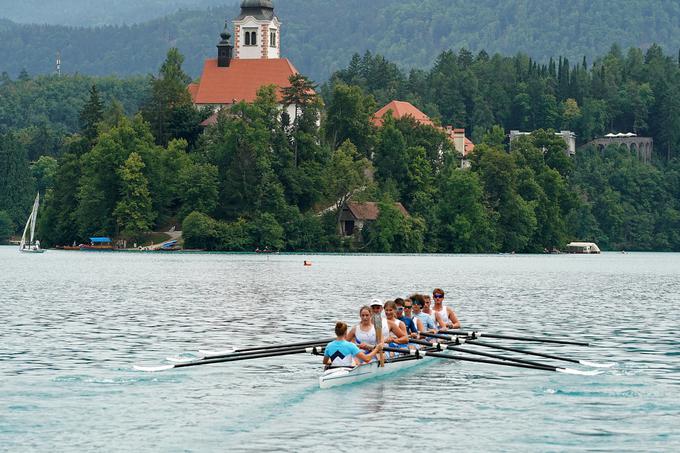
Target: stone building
642 146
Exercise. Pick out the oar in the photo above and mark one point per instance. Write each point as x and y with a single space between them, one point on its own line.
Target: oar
474 334
483 354
469 340
420 353
204 354
232 358
541 354
377 325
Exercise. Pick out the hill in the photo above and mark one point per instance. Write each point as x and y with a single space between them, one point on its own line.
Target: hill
89 13
320 36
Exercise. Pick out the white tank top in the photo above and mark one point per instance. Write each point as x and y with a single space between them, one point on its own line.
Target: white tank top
362 336
443 313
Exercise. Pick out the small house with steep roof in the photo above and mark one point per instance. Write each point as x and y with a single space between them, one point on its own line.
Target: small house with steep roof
355 215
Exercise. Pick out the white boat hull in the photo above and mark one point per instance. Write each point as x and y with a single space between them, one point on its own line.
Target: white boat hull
342 376
32 251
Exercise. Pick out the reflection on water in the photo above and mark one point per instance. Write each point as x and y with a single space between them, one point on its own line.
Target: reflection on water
74 323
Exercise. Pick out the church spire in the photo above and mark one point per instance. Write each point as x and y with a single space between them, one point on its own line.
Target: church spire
257 31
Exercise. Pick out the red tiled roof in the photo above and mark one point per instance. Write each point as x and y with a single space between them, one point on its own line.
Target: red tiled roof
469 146
401 109
369 210
241 80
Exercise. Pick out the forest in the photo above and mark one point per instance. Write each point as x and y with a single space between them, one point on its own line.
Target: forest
319 36
128 156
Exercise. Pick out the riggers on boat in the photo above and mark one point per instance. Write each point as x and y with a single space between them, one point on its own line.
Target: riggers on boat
334 377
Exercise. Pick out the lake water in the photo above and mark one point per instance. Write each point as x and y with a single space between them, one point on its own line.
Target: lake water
73 324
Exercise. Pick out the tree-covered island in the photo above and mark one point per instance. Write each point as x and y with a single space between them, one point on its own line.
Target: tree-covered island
123 157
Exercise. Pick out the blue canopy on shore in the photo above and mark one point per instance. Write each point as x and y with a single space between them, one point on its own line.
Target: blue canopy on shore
100 240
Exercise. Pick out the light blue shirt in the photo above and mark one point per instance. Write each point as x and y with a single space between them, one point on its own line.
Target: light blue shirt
341 352
428 322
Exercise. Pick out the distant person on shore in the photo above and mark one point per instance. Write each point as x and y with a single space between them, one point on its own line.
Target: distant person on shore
445 316
342 353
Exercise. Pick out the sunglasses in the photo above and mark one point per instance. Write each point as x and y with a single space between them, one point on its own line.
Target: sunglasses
438 296
407 306
400 308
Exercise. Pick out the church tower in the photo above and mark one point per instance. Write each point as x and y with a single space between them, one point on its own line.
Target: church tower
257 31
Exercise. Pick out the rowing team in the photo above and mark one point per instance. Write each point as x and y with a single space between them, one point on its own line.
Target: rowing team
402 320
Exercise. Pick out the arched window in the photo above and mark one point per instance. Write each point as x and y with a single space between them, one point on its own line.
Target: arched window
250 38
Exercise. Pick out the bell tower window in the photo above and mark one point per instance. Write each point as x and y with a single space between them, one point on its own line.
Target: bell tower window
272 38
250 37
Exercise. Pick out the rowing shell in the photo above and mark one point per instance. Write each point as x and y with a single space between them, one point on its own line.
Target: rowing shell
348 375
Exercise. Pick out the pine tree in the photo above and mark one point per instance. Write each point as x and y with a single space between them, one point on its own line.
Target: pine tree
91 115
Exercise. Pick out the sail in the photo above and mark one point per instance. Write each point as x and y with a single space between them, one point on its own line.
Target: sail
34 217
30 222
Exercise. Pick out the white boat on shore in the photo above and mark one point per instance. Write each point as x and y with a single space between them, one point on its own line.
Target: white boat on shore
31 245
585 248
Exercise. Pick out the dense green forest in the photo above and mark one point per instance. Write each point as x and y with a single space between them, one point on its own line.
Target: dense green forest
127 156
320 36
93 12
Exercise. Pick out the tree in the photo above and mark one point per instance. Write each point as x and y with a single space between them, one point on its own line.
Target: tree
168 108
17 186
44 171
302 95
7 227
349 116
133 212
466 225
91 114
346 174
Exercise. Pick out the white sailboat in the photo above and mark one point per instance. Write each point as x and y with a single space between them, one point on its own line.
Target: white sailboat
33 245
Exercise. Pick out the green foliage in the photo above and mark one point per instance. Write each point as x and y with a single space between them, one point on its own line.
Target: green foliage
199 231
133 212
394 233
17 185
349 116
44 171
91 115
7 227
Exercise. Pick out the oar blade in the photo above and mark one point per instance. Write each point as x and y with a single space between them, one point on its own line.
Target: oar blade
597 365
207 353
578 372
153 369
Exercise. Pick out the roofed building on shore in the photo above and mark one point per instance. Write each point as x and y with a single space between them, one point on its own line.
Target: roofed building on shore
251 63
355 216
402 109
568 136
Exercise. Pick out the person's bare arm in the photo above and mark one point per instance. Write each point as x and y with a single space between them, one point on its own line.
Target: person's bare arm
453 318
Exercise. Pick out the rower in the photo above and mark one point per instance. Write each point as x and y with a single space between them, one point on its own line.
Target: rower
427 308
405 316
342 353
445 316
364 332
397 331
424 321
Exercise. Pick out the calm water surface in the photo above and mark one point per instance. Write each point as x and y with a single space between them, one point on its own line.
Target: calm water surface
73 324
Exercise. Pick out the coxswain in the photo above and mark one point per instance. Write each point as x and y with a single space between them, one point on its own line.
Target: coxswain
342 353
445 316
